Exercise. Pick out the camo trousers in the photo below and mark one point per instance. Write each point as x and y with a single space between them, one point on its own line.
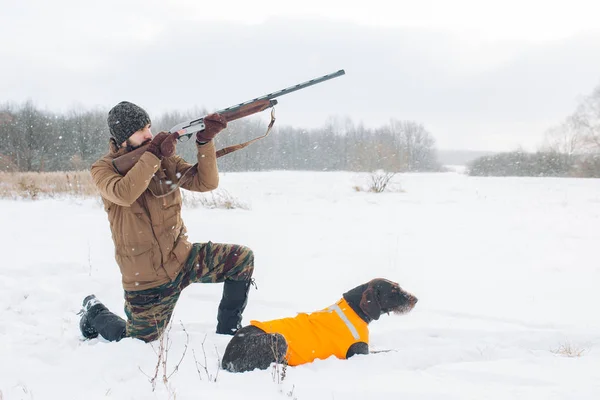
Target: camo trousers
149 311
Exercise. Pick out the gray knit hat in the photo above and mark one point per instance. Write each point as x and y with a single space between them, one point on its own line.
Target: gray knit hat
125 119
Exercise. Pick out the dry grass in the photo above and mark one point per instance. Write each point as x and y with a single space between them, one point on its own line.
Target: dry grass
39 185
279 371
35 185
569 350
219 198
162 354
379 182
211 377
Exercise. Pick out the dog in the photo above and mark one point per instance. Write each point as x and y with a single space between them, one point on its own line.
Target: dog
340 330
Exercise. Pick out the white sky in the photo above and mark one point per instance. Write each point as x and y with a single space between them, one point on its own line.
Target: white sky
488 75
508 19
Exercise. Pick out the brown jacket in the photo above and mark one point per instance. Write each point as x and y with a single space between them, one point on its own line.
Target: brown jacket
151 244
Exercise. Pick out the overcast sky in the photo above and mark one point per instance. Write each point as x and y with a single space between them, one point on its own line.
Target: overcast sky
481 75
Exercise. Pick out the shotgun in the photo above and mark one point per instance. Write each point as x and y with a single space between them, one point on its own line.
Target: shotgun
125 162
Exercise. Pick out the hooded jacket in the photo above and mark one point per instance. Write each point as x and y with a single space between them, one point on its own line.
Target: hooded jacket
151 244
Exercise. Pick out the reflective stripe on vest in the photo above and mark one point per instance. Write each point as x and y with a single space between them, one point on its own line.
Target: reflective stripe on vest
344 318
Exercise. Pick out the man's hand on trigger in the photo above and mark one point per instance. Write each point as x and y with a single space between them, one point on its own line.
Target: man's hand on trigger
213 124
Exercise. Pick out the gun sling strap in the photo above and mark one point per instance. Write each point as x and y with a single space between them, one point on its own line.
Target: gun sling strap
191 172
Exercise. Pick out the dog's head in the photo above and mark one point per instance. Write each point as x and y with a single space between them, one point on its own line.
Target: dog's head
379 296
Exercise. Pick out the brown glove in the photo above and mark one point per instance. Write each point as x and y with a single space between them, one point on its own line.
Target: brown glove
213 124
162 145
167 147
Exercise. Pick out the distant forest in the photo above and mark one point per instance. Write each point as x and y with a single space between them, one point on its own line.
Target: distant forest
36 140
572 149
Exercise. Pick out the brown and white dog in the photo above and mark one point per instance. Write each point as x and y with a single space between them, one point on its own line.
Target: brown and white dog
340 330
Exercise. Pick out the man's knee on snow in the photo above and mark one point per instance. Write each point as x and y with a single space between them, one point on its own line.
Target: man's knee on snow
147 332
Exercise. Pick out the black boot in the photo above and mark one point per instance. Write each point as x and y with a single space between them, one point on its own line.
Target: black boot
87 330
97 319
233 303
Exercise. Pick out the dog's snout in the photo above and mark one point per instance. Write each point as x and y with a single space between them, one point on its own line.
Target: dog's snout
412 300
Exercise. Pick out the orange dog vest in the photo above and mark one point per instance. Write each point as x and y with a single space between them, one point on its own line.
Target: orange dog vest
320 334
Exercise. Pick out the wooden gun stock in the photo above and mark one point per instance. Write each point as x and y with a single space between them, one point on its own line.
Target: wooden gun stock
124 163
248 109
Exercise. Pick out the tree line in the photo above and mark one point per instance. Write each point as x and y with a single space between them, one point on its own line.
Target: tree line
571 149
32 139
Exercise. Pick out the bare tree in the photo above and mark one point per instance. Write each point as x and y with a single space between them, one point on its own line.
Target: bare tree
566 139
588 120
31 137
86 135
415 146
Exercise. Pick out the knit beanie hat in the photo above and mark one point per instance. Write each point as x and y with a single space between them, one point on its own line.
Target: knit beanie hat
125 119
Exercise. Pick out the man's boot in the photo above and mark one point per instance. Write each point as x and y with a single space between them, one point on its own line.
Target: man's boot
87 329
97 319
233 303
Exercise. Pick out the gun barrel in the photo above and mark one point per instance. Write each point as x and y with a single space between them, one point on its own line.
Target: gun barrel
286 90
195 125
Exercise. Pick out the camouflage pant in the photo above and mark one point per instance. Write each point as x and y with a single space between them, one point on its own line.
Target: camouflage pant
149 311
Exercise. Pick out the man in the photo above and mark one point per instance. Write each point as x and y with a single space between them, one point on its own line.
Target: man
151 247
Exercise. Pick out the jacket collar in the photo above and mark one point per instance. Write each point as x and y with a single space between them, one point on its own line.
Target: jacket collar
114 149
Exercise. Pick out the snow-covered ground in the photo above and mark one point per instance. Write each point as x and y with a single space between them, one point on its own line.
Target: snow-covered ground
506 271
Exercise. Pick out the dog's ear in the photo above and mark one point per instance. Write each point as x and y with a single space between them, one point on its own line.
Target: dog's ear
369 302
